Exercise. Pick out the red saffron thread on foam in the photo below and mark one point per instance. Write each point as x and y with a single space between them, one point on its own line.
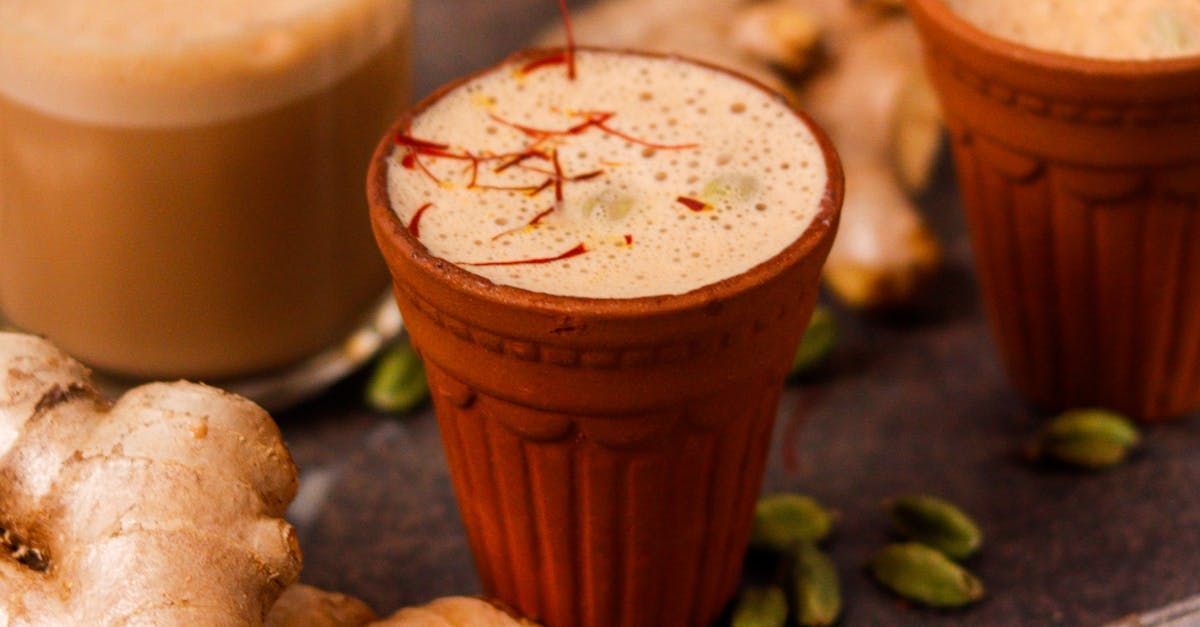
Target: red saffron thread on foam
579 249
570 53
541 134
693 204
417 147
595 119
529 190
537 219
421 166
630 138
541 62
573 178
566 55
519 158
414 225
404 139
558 180
432 149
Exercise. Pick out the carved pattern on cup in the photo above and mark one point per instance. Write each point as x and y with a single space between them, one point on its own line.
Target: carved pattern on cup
632 431
702 346
1043 105
1101 343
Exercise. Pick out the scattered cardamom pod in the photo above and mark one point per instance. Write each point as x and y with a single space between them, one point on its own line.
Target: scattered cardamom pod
781 521
924 575
398 382
760 607
815 583
936 523
1093 439
819 340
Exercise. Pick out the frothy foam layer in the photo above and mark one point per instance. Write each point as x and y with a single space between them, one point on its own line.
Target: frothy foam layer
189 62
643 177
1107 29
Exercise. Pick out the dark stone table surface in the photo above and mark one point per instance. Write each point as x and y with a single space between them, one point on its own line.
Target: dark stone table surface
916 403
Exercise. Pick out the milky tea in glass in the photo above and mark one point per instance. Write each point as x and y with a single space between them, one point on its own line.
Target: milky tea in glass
180 185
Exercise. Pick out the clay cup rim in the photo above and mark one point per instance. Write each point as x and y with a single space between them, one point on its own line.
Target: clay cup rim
388 225
984 43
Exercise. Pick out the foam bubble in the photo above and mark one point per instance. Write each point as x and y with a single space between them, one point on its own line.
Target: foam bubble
640 239
1106 29
171 63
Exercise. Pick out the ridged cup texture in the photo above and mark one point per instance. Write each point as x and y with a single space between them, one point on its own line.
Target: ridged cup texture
1081 181
606 454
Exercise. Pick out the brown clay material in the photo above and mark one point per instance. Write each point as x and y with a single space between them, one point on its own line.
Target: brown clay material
606 454
1081 180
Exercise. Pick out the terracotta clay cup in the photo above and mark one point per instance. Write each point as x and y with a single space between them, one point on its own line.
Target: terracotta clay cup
1081 180
606 454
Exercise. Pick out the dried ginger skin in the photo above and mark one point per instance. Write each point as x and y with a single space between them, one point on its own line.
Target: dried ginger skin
780 32
885 253
454 612
305 606
165 508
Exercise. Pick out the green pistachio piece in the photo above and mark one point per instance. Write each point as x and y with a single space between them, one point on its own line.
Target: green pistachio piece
1093 439
936 523
760 607
781 521
818 593
398 382
818 343
926 576
610 205
730 188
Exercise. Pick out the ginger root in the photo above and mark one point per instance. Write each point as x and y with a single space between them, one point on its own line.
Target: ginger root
867 90
874 237
163 508
877 107
779 32
306 606
454 612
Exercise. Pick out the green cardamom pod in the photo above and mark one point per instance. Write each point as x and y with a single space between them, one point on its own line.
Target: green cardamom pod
398 382
760 607
781 521
819 340
936 523
1086 438
924 575
818 599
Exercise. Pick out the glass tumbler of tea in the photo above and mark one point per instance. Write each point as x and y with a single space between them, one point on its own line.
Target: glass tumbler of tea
180 187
